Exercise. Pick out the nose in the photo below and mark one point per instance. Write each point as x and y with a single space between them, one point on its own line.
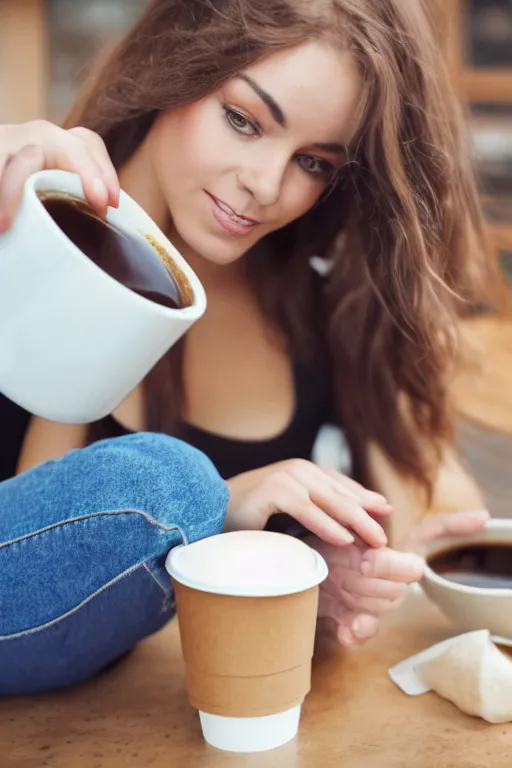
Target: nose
264 177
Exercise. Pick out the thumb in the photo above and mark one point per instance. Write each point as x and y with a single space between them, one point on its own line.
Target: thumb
434 527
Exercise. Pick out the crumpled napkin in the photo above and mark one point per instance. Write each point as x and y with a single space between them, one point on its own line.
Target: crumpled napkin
469 670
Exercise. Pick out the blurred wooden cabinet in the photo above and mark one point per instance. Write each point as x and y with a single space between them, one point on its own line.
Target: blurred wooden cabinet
478 44
479 48
23 60
46 48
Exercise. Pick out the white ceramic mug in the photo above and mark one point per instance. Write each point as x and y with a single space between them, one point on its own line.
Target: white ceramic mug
472 608
73 341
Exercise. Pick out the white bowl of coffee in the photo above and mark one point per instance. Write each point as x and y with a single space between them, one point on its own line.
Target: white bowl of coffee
470 578
87 305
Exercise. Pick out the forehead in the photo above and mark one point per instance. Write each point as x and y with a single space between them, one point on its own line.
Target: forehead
317 87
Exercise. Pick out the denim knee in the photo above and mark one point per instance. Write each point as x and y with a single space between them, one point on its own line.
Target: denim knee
167 479
71 528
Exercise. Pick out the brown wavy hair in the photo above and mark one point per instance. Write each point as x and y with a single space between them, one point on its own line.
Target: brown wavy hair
402 226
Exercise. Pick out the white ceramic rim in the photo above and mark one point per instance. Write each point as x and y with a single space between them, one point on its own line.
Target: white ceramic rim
316 577
199 296
494 525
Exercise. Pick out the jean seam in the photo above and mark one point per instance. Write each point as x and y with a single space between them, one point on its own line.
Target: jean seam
151 520
72 611
148 569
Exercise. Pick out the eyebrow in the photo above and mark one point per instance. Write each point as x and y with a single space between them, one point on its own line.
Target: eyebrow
278 115
273 107
334 147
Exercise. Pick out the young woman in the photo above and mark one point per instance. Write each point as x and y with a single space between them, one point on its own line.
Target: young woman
258 134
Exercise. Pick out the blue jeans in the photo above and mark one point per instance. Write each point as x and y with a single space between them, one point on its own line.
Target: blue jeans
83 540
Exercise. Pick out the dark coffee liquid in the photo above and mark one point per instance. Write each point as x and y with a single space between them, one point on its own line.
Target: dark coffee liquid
129 257
476 565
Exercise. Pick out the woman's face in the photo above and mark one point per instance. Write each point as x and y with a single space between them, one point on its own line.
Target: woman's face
256 154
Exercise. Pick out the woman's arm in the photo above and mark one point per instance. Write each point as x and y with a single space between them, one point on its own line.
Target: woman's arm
454 490
46 440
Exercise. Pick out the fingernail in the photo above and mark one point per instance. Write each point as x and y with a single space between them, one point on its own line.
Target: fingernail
113 193
347 536
418 564
100 189
357 627
346 636
377 497
380 535
366 568
480 514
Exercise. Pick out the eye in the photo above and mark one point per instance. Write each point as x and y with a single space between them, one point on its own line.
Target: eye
316 166
240 123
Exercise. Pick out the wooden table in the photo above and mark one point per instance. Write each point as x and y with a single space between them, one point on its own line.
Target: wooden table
137 716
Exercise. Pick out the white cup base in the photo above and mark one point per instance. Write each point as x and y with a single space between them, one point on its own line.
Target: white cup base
250 734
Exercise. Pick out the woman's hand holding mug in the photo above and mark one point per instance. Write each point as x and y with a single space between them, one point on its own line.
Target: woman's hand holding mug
39 145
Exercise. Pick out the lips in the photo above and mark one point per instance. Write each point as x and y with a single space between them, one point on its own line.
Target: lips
229 219
234 215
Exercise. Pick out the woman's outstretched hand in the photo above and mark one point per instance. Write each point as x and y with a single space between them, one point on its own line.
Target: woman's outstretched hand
334 507
364 583
435 527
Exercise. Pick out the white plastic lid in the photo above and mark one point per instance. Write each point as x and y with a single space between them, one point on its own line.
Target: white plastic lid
248 564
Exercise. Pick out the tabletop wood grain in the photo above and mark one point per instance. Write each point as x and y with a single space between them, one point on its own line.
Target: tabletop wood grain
137 715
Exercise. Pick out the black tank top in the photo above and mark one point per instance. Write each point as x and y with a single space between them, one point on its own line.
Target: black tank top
313 409
232 456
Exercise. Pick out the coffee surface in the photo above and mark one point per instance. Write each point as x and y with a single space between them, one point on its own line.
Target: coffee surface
130 258
476 565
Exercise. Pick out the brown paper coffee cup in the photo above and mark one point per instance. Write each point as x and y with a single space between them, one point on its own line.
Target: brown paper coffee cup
247 605
246 656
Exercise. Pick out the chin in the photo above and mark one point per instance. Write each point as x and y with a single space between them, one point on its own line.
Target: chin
217 250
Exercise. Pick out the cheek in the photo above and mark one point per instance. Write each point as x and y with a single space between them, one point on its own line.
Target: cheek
185 146
298 197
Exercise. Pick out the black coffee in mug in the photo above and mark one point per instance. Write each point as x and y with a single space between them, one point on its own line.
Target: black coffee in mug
133 259
486 565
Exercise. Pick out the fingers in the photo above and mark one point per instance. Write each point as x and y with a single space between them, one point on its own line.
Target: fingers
283 493
4 159
362 584
373 502
340 506
374 605
448 524
316 520
301 489
375 589
358 593
98 151
362 626
72 155
15 172
349 513
39 145
353 627
402 567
